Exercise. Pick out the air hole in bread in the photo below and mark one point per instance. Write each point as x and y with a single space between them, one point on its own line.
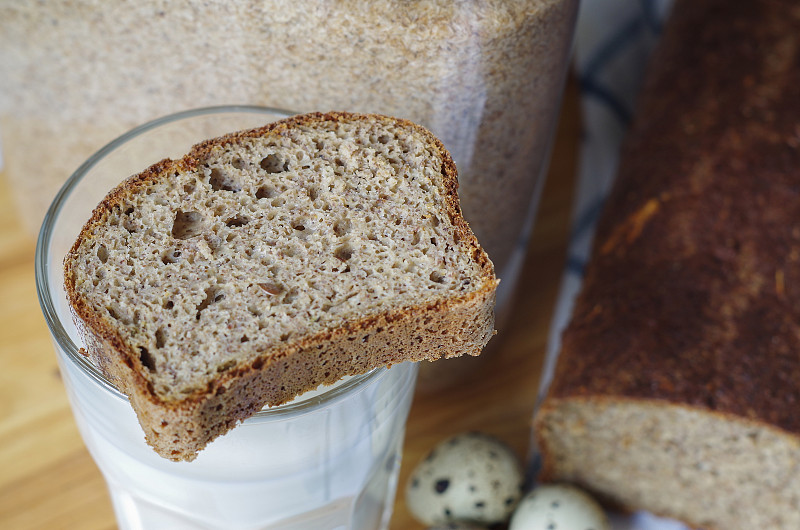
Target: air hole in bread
244 339
238 163
102 253
299 226
213 295
220 180
437 277
237 221
161 337
343 253
169 304
264 192
187 224
312 192
170 256
278 202
227 365
285 336
290 296
128 224
274 164
147 359
384 138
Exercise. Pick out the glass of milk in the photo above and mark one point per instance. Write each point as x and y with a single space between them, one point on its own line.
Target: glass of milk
327 460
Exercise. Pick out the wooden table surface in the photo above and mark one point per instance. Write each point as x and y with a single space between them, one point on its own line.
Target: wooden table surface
48 480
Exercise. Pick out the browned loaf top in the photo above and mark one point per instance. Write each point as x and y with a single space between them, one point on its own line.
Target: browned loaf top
267 262
690 295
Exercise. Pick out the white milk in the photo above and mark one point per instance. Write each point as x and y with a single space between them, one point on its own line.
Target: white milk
328 461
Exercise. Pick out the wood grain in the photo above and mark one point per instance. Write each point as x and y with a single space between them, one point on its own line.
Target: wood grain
49 481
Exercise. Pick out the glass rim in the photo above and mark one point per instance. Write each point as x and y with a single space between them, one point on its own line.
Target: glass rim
41 265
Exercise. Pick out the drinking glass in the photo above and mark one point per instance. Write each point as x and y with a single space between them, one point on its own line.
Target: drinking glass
327 460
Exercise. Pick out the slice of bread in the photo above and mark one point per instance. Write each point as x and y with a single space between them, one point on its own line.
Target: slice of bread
267 262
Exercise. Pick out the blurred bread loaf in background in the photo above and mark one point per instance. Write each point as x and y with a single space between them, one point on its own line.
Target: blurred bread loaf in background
678 381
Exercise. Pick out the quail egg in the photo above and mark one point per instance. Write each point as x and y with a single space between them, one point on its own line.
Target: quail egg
558 507
471 477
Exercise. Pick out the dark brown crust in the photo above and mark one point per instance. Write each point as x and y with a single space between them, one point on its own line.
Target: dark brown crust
690 295
454 326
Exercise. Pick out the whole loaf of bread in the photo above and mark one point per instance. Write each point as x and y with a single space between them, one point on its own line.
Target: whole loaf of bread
678 382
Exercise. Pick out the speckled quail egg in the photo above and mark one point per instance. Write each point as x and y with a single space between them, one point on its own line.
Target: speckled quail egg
559 507
471 477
